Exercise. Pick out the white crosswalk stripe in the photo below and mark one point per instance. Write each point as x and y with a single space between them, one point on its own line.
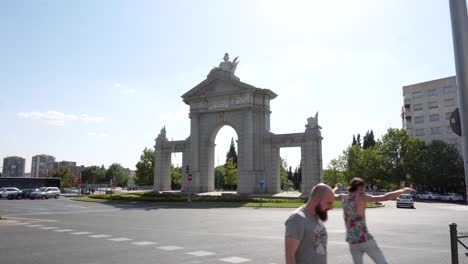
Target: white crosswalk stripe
143 243
99 236
81 233
120 239
200 253
63 230
170 248
235 260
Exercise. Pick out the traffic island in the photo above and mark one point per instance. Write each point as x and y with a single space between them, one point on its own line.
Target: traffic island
180 199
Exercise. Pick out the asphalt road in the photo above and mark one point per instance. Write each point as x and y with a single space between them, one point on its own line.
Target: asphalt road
66 231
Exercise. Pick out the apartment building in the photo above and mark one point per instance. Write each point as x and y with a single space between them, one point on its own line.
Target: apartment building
426 110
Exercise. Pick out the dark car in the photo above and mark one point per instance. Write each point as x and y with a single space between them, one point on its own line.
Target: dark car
27 192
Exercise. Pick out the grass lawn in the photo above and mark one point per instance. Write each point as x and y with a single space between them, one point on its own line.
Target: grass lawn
208 201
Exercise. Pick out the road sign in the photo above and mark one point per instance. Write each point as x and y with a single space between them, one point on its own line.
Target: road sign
79 181
455 122
189 177
261 183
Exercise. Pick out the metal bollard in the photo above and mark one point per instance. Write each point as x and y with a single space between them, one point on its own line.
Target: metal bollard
454 242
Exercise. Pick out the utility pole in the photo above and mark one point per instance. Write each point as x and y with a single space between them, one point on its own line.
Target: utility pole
459 18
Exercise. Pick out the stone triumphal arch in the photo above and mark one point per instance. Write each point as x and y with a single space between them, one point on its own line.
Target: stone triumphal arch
222 99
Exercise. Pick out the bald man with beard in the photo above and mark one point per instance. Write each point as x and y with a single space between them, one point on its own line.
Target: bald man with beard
306 236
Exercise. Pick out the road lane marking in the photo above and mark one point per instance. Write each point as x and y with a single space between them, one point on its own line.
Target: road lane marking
22 223
143 243
200 253
120 239
48 227
170 248
34 225
235 260
63 230
65 212
99 236
81 233
32 219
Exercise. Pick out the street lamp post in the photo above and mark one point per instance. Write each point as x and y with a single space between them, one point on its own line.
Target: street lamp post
459 18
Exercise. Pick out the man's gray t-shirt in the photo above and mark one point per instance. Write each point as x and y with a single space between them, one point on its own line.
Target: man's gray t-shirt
308 229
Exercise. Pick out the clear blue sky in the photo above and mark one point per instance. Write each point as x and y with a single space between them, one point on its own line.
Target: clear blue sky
94 81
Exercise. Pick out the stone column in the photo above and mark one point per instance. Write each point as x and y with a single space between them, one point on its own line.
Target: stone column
162 166
245 172
185 161
311 160
195 151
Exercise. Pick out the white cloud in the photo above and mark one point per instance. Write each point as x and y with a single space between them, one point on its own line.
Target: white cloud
58 118
128 91
91 119
124 91
97 134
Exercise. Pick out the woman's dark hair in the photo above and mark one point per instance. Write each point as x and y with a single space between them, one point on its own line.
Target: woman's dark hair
355 183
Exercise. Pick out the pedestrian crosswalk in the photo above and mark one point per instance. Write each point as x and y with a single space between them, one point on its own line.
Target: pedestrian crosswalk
168 248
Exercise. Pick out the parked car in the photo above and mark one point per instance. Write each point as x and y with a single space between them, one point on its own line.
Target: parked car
452 197
45 192
343 191
27 192
10 193
428 196
405 200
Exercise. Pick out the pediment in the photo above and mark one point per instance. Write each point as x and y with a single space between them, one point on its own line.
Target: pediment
217 87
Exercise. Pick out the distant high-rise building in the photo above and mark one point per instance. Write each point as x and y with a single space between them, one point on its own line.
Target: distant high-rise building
13 166
41 164
71 165
426 110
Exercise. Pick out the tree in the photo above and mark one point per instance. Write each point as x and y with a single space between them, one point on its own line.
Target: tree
93 174
230 176
145 168
117 173
283 173
401 156
444 166
335 172
354 141
358 140
290 174
67 179
232 154
176 177
297 177
369 140
220 171
1 174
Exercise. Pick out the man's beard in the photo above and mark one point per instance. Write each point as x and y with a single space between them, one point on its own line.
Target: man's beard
322 214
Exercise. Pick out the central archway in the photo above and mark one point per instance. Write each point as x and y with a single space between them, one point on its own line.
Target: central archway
223 138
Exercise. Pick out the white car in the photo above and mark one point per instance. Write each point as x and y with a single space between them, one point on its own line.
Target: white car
452 197
405 200
12 191
428 196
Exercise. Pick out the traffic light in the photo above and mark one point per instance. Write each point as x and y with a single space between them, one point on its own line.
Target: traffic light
187 169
